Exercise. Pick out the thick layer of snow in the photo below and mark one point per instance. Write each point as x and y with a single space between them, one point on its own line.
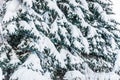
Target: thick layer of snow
84 3
74 75
47 75
14 59
11 10
26 74
86 45
48 44
11 27
117 62
1 74
1 34
33 62
53 6
25 26
75 32
116 10
30 70
90 75
91 32
74 59
97 7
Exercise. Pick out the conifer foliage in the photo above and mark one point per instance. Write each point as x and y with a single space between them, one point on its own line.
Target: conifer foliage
56 39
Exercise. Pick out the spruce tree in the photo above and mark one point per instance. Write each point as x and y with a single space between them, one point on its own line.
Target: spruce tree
52 39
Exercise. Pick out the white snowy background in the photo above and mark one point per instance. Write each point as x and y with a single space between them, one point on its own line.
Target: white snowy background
116 9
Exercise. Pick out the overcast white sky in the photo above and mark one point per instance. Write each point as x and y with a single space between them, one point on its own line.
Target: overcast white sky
116 9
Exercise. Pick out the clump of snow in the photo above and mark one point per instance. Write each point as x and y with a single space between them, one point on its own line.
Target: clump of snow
73 2
1 28
91 32
74 59
113 43
85 4
97 7
25 26
1 34
54 27
34 29
74 75
53 6
64 33
75 32
117 62
79 13
90 75
47 75
104 17
11 10
30 70
1 74
86 45
78 45
11 28
33 62
26 74
48 44
14 59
